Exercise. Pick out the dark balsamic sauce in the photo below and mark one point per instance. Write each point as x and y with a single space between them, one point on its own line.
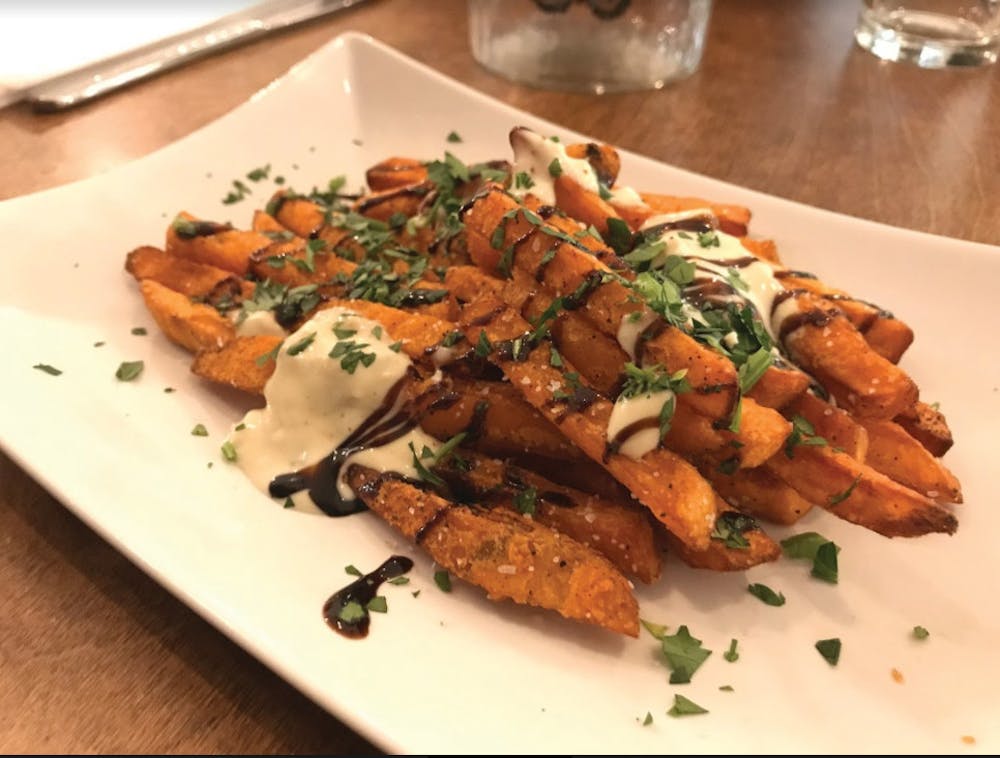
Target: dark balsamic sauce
627 432
361 592
321 479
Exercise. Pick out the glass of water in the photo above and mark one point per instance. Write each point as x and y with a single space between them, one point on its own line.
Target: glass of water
589 45
931 33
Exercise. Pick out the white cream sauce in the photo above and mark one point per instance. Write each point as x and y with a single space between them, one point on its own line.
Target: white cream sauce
716 262
630 410
533 155
313 405
257 323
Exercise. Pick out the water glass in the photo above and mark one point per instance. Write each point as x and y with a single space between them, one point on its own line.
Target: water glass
931 33
589 45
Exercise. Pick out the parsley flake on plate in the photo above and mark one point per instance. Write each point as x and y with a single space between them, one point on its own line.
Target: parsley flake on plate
684 707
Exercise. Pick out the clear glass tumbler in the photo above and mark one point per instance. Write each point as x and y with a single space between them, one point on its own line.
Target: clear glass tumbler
931 33
589 45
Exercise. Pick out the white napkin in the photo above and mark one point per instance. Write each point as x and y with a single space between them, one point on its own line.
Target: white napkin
44 39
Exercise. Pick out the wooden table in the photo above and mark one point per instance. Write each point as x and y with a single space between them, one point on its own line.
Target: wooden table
94 656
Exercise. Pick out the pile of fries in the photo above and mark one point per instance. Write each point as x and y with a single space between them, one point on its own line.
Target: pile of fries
512 309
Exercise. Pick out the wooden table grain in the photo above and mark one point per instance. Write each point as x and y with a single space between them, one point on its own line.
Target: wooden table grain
96 657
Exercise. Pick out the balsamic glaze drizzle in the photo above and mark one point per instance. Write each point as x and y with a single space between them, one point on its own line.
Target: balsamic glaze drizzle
380 428
353 622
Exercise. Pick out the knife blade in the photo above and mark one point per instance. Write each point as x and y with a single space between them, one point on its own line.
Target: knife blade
83 85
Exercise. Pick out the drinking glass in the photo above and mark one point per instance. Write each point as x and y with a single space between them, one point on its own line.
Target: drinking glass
931 33
589 45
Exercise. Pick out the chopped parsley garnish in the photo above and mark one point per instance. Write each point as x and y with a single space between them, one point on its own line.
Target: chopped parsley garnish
643 256
753 368
434 458
684 707
351 612
842 496
814 547
228 451
523 180
803 433
830 650
302 344
129 370
726 688
920 633
400 580
825 563
731 654
99 343
289 503
139 331
289 304
270 355
648 720
452 338
483 345
199 431
526 500
352 570
351 353
260 173
658 631
603 191
708 239
443 580
652 379
730 528
555 168
684 654
619 236
378 604
396 346
454 137
239 191
555 359
766 595
50 370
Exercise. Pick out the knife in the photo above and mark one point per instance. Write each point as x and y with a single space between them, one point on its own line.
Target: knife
93 81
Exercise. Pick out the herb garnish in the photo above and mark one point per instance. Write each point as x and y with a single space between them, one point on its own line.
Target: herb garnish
803 433
920 633
50 370
816 548
129 370
684 707
443 580
830 650
842 496
228 451
730 527
766 595
731 654
199 431
453 137
555 168
526 500
139 331
684 654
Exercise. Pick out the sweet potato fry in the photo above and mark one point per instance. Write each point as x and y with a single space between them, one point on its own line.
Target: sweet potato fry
509 556
887 335
821 339
496 420
395 172
180 274
834 425
927 425
619 531
860 494
759 492
733 219
662 481
244 363
604 159
900 457
719 557
213 244
191 325
384 204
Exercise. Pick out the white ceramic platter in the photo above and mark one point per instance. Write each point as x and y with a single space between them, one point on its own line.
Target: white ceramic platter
454 672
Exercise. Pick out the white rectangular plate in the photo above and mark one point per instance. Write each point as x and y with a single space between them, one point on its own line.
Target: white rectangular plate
454 672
